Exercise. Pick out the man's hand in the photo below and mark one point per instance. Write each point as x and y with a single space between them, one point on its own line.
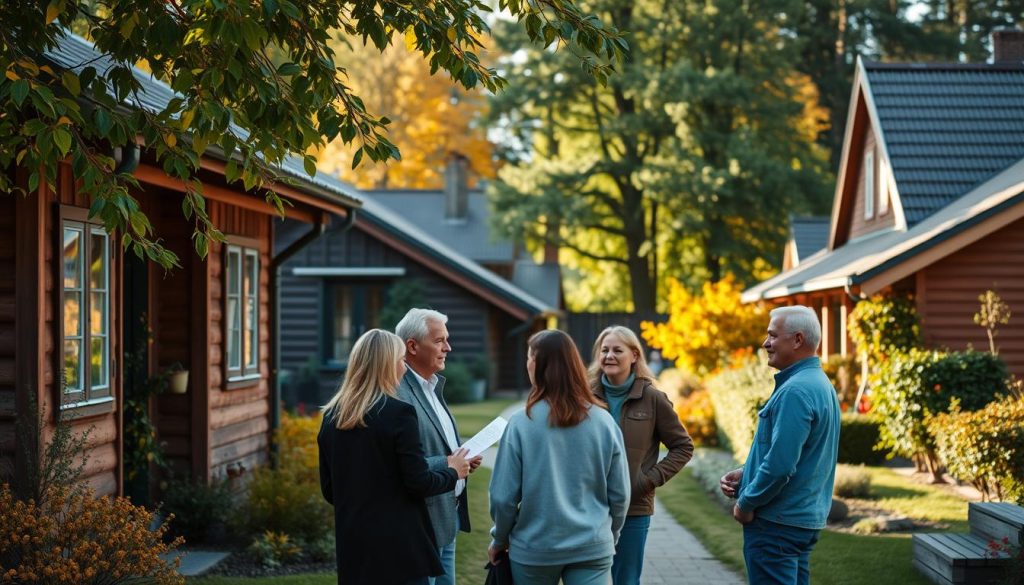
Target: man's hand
730 482
494 553
475 462
741 516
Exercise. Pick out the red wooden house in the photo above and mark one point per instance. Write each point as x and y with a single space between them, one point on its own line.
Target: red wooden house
72 303
929 201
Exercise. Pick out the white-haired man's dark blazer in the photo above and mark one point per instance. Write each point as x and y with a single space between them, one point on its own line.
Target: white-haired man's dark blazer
444 508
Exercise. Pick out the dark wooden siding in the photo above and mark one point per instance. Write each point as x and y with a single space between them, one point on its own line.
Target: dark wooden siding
7 334
858 225
948 293
302 311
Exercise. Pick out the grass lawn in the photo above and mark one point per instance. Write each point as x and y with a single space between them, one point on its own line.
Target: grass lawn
840 559
474 416
470 556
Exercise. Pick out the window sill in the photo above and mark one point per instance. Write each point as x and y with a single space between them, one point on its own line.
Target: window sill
239 382
87 408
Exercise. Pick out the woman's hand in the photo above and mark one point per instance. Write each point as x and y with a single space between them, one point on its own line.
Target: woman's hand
494 553
459 463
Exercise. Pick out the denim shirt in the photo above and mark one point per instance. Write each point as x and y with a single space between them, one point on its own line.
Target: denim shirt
789 474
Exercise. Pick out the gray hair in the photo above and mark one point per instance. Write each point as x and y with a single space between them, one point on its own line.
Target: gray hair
414 324
803 319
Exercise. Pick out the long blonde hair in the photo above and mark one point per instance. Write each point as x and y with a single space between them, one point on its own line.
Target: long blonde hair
632 342
372 373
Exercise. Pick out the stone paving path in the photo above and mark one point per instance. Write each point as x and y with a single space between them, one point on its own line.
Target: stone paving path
673 555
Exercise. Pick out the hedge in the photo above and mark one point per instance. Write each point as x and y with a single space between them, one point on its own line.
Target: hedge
737 394
857 439
985 447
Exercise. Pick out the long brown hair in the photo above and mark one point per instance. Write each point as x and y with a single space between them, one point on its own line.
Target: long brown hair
560 378
632 342
372 373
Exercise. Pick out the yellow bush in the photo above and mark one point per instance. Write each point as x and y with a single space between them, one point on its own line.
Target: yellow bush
78 538
698 416
703 331
296 444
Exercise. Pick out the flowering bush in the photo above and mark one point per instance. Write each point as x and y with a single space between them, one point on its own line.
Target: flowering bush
697 414
704 330
296 445
880 326
80 539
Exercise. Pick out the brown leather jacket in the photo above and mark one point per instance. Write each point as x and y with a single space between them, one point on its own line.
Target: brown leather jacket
648 421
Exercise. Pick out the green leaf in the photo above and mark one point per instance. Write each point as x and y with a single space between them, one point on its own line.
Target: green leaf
309 163
289 69
71 83
19 91
62 138
357 158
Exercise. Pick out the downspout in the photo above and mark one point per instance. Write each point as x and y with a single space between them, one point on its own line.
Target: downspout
276 265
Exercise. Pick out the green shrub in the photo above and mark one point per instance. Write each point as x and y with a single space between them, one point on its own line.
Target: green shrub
737 393
708 466
284 501
985 447
857 439
200 509
273 549
844 373
852 481
912 386
457 383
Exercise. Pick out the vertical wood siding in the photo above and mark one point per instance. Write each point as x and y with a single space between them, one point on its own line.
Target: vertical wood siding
948 295
858 225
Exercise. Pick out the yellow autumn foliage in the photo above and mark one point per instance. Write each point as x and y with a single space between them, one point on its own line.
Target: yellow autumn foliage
704 331
296 444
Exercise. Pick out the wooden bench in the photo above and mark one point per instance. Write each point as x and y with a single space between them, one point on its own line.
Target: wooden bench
954 559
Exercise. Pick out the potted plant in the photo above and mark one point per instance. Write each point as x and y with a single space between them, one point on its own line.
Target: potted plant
177 379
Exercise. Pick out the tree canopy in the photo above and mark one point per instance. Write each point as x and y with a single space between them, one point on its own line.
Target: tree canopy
257 80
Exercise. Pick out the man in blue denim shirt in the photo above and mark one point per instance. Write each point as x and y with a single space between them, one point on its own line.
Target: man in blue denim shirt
785 487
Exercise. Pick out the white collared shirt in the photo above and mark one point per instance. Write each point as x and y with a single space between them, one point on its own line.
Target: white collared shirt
428 386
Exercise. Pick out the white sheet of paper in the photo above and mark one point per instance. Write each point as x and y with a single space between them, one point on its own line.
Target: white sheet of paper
487 436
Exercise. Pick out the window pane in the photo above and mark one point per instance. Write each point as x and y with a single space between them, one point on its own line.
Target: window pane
252 277
234 269
234 328
98 260
98 362
72 314
72 258
72 365
98 312
342 323
251 327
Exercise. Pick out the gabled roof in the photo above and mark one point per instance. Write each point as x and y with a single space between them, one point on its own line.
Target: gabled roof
878 259
426 247
471 235
946 128
75 53
810 234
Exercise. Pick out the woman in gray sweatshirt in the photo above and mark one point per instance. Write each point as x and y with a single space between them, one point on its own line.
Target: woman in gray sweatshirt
560 488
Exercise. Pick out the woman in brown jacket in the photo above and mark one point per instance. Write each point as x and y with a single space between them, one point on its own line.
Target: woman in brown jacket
620 377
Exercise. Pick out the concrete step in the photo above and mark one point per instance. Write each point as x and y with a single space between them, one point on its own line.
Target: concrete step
997 520
954 559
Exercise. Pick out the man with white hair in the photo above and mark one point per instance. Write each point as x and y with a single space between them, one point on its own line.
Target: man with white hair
425 334
784 490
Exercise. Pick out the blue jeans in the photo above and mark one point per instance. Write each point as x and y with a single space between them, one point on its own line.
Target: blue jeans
629 553
418 581
777 554
447 554
593 572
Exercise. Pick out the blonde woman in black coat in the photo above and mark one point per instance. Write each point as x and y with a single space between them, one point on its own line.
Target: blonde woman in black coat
373 471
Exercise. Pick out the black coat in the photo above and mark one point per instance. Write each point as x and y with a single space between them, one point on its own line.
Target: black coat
376 478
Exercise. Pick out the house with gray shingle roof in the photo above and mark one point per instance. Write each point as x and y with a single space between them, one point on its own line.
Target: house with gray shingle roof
337 286
929 202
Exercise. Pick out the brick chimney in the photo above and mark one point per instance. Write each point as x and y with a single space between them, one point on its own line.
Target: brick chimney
456 188
1008 46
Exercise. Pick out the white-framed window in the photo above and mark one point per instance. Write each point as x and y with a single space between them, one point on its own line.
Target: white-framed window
883 186
85 308
242 317
869 184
